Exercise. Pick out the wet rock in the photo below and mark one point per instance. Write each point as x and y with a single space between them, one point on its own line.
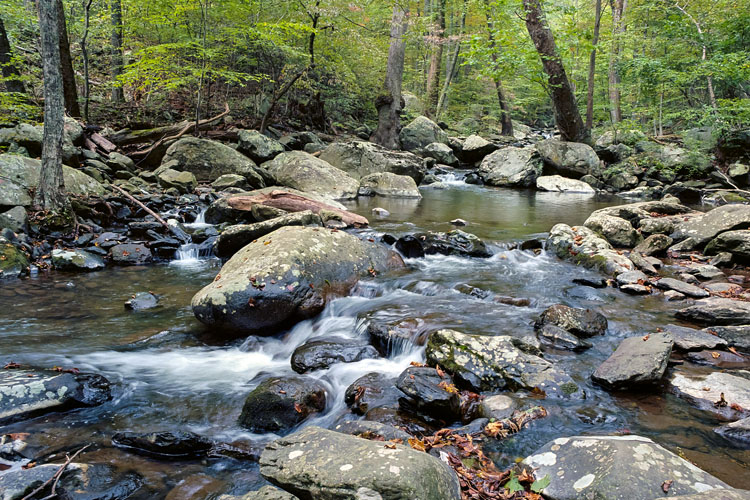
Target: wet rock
351 467
394 337
165 445
723 288
407 421
571 159
735 242
475 148
372 390
233 238
489 363
555 337
706 391
454 242
27 393
130 254
637 361
389 185
736 336
681 287
690 339
582 246
208 160
654 244
718 359
631 277
560 184
637 289
421 132
13 262
303 171
141 301
497 407
615 230
360 159
736 431
615 467
280 403
15 219
288 275
429 394
257 146
371 429
17 483
717 311
320 354
442 153
643 263
459 222
76 260
196 487
706 227
583 323
510 166
706 271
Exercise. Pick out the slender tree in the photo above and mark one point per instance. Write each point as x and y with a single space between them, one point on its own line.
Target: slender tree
50 193
618 28
505 118
85 54
9 71
116 42
592 66
567 116
66 64
453 66
390 103
437 38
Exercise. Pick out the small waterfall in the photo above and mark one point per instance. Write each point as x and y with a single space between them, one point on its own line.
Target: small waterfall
194 255
199 222
452 178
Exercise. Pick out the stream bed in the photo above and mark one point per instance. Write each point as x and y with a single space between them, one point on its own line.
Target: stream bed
171 373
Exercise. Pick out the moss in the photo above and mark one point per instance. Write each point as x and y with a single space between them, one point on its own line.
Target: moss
569 388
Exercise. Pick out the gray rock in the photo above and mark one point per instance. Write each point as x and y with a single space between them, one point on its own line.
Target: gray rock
369 428
233 238
615 230
320 354
682 287
419 133
735 242
737 431
571 159
359 159
730 288
257 146
489 363
175 445
631 277
455 242
736 336
497 407
729 494
303 171
130 254
142 301
18 482
643 263
208 160
637 361
627 137
350 467
15 219
229 181
706 227
76 260
690 339
442 153
583 323
373 390
706 271
637 289
280 403
705 392
184 182
555 337
590 250
265 493
560 184
654 244
614 468
424 395
389 185
475 148
510 166
717 311
288 276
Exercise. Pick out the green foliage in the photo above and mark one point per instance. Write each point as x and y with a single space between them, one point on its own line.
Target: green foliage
540 484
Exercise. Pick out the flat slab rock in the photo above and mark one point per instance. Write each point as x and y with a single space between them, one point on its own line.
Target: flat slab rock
717 311
682 287
705 392
689 339
320 464
616 467
637 360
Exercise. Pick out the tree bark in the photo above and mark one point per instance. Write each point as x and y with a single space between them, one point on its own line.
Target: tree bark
505 118
9 71
567 116
66 65
592 67
391 103
453 66
618 27
85 54
436 58
50 193
117 56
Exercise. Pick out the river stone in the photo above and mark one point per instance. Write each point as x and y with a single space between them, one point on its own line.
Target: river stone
371 429
690 339
26 393
166 444
227 181
555 337
709 225
571 159
489 363
389 185
286 276
681 287
373 390
419 133
442 153
142 301
208 160
616 230
424 395
738 431
14 219
257 146
454 242
654 244
184 182
637 361
130 254
590 250
319 464
631 278
13 262
561 184
320 354
583 323
280 403
360 159
233 238
303 171
475 148
18 482
76 260
705 392
717 311
736 336
615 468
735 242
511 166
497 407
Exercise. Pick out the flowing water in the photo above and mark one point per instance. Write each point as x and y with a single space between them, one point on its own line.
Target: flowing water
170 373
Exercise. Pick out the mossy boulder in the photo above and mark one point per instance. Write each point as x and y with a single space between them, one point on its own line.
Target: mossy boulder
13 261
303 171
421 132
208 160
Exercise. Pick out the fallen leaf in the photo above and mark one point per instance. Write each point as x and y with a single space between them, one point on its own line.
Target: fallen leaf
715 355
646 337
666 485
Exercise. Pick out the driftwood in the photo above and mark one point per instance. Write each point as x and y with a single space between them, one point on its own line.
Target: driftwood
102 142
294 203
144 207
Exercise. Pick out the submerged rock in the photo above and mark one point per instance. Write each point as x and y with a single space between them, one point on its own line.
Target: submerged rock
581 322
320 354
166 444
350 467
737 431
141 301
722 393
280 403
614 468
454 242
637 361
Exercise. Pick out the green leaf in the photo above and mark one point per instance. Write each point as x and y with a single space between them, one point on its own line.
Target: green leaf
513 485
539 485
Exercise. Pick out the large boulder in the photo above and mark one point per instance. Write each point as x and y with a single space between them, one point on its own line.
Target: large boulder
735 242
510 166
303 171
28 393
281 403
618 231
582 246
570 159
258 147
492 363
389 185
717 311
288 275
233 238
419 133
613 137
360 158
616 467
441 153
726 394
475 148
319 464
19 175
559 184
637 361
208 160
706 227
16 219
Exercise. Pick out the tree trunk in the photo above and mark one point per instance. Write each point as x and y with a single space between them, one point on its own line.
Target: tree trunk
592 67
452 69
505 117
567 116
50 193
85 54
10 73
618 27
390 103
711 94
117 57
436 58
66 65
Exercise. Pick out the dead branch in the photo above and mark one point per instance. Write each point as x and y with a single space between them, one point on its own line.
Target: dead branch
144 207
56 477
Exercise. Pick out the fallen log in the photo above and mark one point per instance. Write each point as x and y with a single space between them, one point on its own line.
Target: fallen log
294 203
